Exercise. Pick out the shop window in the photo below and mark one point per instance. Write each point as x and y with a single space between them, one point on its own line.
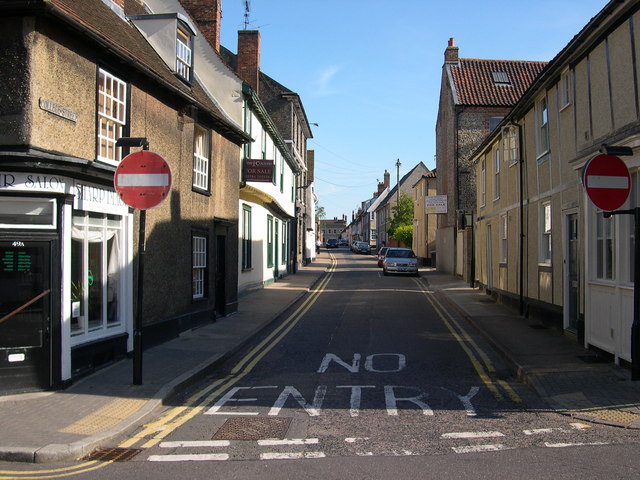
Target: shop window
96 274
31 213
605 247
246 237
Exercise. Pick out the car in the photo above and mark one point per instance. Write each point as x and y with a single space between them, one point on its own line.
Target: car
343 243
400 260
381 253
332 243
363 247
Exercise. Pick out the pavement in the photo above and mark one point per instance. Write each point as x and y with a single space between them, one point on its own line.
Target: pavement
68 424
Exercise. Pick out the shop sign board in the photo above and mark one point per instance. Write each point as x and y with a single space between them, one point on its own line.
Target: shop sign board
435 204
258 170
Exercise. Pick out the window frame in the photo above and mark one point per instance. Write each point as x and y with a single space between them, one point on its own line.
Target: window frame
116 126
483 182
199 265
496 174
201 169
510 144
564 88
545 249
542 126
504 237
246 238
270 241
184 53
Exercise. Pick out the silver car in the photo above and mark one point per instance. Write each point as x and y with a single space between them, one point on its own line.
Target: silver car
400 260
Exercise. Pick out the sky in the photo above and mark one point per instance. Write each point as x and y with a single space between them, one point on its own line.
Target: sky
368 72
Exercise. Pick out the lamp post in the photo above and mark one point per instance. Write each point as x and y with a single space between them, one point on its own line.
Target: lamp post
398 164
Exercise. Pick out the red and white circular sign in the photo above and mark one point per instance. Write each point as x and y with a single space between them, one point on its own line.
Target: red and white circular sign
143 179
607 181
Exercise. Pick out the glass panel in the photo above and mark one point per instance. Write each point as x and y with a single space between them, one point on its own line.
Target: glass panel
77 287
95 294
27 211
113 277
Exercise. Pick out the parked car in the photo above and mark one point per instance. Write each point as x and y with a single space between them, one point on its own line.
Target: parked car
363 247
332 243
400 260
381 253
343 243
354 246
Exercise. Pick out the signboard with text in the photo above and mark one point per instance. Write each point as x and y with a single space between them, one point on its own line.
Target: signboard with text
258 170
435 204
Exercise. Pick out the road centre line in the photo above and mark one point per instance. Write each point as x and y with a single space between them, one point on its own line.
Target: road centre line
194 457
289 441
291 456
480 448
463 338
165 426
577 444
196 443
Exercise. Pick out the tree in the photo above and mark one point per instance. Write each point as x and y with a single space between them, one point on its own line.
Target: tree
404 234
402 215
320 213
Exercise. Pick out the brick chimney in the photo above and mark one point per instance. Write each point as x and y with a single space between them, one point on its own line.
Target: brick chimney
248 68
207 15
451 53
386 179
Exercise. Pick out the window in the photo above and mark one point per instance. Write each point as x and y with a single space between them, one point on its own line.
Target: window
184 56
545 234
97 263
500 78
112 116
32 213
605 247
281 174
496 175
246 237
248 127
285 251
494 122
565 89
503 238
510 145
269 241
199 265
483 181
201 158
542 126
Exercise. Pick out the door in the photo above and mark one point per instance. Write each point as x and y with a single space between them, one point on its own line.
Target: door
571 276
220 274
25 316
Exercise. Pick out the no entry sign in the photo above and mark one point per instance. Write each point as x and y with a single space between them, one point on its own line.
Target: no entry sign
607 181
143 179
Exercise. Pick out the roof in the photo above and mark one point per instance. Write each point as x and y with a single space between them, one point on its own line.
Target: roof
123 40
499 83
392 192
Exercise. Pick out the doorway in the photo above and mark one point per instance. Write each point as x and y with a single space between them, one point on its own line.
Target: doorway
571 281
26 294
220 276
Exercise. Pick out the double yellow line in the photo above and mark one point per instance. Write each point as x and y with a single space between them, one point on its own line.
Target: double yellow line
478 358
153 433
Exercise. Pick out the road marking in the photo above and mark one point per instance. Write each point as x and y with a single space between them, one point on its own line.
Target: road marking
480 448
291 455
196 443
540 431
580 426
194 457
355 439
577 444
472 435
289 441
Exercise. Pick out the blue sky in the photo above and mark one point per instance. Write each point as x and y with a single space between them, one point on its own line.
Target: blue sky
368 71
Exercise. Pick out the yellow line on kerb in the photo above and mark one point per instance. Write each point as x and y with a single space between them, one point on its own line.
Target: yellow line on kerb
197 402
55 473
485 369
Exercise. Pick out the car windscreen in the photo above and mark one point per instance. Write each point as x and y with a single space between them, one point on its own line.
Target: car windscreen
400 254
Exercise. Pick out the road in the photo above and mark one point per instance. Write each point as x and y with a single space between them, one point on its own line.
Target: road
368 377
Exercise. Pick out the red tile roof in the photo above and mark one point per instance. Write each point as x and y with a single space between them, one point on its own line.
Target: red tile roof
474 84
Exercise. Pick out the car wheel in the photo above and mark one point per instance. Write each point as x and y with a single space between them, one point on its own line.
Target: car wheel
385 273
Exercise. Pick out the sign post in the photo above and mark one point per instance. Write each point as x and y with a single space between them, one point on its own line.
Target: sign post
143 180
608 183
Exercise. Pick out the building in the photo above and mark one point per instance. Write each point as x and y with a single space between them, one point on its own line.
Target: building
384 210
475 95
82 76
331 229
424 220
540 243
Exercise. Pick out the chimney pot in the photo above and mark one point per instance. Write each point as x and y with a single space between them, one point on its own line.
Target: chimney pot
451 52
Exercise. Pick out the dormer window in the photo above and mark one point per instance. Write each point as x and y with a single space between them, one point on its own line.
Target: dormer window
184 50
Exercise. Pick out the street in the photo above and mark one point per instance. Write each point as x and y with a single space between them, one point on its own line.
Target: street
368 377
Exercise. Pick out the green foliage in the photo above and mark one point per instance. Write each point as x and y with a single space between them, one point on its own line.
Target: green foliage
402 215
404 234
320 213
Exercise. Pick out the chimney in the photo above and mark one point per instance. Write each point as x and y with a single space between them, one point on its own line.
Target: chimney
451 53
386 179
207 15
248 68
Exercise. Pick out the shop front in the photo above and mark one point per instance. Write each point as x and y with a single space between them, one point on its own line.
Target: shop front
65 279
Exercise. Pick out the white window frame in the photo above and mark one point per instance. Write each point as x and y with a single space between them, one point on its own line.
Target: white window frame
246 238
496 174
503 238
199 265
112 116
201 158
510 144
184 53
545 245
542 126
